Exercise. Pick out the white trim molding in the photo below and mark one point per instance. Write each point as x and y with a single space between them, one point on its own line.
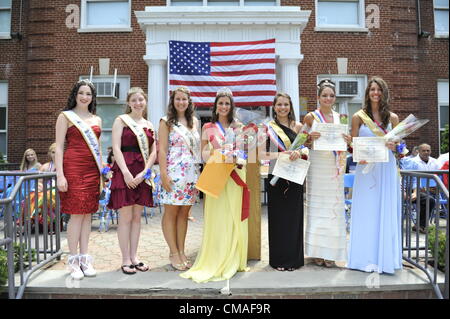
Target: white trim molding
213 23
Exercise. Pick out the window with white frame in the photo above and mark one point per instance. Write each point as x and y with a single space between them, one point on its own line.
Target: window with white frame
441 18
105 16
3 118
340 15
5 18
443 103
110 104
350 91
223 3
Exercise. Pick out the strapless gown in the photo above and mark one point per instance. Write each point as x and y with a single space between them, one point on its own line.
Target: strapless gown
81 172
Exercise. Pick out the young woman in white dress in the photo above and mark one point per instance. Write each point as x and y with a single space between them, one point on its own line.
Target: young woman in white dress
325 232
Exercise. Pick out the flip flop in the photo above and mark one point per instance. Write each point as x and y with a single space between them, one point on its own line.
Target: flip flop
141 267
128 272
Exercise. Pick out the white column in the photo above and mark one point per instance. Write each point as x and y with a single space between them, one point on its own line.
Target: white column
289 81
157 90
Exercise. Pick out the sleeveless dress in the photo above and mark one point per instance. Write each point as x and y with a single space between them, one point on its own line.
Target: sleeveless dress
82 174
375 230
121 195
225 236
182 169
325 235
285 218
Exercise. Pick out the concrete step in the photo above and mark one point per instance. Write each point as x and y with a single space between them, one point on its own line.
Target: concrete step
308 282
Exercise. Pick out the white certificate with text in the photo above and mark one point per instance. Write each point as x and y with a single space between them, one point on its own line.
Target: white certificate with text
294 171
331 138
370 149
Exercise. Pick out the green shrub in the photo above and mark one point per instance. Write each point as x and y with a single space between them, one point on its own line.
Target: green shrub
4 260
441 245
444 140
3 267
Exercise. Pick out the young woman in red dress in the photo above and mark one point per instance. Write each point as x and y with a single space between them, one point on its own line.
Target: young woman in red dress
78 175
129 191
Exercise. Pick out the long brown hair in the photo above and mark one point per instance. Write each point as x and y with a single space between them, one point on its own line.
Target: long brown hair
385 114
291 115
172 118
72 100
132 91
230 116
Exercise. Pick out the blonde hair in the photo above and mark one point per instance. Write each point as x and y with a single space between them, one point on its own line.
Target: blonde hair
135 90
51 148
24 165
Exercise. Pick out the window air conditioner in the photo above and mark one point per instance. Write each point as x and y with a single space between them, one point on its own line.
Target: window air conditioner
347 88
106 89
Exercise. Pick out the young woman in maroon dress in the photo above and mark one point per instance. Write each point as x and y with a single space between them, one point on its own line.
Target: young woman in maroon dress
129 192
78 176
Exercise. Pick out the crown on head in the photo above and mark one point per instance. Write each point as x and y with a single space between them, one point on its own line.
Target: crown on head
225 91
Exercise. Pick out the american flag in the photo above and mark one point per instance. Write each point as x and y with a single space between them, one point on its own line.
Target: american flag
247 68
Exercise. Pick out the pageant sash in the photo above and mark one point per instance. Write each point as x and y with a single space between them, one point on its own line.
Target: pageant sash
340 156
187 135
277 136
376 129
88 135
142 140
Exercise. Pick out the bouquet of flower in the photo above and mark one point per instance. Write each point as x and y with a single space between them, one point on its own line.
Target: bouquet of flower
298 144
405 128
240 141
409 125
106 172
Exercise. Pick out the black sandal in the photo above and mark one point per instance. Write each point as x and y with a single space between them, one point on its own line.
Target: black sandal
128 272
141 267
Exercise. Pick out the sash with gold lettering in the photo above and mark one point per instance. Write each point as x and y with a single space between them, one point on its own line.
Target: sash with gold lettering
215 175
188 136
277 136
340 156
88 135
142 141
375 127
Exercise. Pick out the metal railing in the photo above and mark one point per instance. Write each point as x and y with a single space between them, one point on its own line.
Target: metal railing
428 186
31 224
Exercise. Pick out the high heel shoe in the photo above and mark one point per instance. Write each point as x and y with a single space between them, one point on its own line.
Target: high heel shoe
329 263
86 266
318 261
180 266
187 263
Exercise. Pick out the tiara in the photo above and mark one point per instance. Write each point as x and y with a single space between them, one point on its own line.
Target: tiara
86 81
224 91
183 89
325 82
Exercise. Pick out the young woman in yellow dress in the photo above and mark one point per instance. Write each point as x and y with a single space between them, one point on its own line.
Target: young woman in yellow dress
225 235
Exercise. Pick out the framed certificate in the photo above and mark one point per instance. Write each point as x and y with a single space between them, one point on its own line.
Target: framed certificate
331 138
294 171
370 149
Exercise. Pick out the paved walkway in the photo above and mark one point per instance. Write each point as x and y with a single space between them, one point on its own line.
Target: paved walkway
104 246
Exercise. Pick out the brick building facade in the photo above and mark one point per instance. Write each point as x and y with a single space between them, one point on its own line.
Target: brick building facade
46 53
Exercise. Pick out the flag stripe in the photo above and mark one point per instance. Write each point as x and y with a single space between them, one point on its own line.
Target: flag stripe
237 93
221 44
242 57
237 104
238 52
221 83
233 88
246 72
241 62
